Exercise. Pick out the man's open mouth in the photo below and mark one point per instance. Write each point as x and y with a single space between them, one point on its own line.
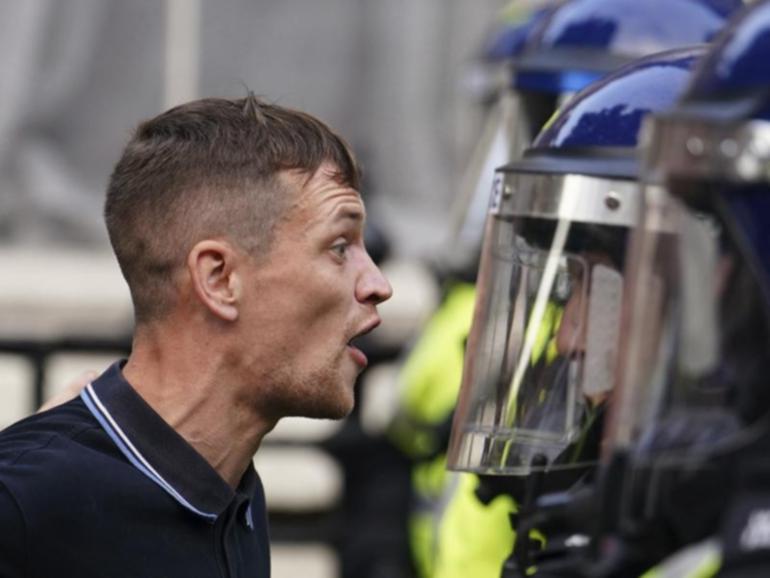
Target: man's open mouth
353 343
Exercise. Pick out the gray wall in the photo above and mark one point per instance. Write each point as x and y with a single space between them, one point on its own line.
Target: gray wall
78 74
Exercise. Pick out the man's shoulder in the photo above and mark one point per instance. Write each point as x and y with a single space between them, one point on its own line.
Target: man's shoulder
51 442
43 458
37 431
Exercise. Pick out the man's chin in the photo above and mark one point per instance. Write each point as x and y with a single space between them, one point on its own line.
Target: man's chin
338 413
328 411
333 406
340 407
327 395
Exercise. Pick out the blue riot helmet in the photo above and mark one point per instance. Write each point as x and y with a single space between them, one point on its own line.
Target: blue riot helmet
692 413
508 128
513 29
562 48
585 39
541 354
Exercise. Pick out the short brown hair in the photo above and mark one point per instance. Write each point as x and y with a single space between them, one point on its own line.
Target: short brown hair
205 169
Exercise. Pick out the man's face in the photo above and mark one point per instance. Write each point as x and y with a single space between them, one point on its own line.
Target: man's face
314 292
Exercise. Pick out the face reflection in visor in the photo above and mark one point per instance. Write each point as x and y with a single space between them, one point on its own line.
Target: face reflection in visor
541 355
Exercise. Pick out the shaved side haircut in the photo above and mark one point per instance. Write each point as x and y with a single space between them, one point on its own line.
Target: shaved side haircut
209 169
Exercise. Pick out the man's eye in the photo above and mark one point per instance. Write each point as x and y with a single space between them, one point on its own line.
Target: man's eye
340 249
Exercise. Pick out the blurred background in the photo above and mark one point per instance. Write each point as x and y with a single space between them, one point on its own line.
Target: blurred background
398 78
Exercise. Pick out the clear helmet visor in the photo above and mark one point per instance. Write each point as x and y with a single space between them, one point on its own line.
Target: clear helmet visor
541 354
508 130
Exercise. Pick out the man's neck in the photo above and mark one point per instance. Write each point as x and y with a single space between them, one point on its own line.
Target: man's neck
190 389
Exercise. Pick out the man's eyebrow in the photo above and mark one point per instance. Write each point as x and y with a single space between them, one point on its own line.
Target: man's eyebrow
350 213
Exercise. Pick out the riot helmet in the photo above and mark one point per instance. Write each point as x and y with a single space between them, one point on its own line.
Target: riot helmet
585 39
561 48
692 409
542 349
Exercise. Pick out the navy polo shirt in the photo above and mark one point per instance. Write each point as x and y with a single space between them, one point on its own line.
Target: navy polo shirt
103 487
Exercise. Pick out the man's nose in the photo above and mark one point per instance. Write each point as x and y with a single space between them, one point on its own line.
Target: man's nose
372 285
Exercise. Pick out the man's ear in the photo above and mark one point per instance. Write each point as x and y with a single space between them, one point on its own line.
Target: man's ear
215 278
